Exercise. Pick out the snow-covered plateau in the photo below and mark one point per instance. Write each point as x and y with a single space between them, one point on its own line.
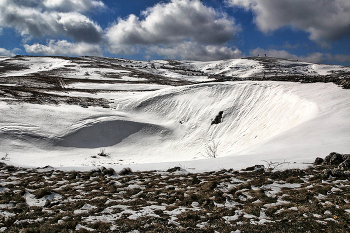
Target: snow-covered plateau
67 112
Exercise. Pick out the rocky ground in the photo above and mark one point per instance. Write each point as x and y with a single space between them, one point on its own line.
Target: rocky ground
256 199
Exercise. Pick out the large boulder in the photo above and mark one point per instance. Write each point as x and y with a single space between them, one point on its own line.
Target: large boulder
335 173
340 160
318 161
333 159
345 165
346 156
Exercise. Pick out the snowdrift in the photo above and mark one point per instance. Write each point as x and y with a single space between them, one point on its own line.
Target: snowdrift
252 113
168 125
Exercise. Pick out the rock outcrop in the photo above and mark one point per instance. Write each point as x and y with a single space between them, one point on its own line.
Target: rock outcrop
342 161
218 118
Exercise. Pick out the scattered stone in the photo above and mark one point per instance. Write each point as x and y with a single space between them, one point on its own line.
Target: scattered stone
155 201
102 171
254 168
335 173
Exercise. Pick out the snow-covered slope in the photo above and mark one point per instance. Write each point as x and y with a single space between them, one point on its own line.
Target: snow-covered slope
245 68
109 69
149 121
266 67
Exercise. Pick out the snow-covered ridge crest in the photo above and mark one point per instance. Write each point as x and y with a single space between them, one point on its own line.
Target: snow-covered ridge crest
266 67
196 71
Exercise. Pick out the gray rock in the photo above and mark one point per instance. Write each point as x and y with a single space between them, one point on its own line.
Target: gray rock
335 173
346 156
326 173
255 168
345 165
318 161
333 159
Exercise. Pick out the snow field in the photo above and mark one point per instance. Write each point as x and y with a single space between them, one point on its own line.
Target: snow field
173 126
36 64
253 113
148 124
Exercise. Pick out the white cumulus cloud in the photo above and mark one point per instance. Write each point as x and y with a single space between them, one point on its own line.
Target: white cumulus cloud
180 28
172 22
5 52
195 51
58 5
313 57
324 20
30 19
63 47
338 57
69 5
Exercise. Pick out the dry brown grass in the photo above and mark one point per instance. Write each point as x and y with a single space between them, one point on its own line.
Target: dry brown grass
175 203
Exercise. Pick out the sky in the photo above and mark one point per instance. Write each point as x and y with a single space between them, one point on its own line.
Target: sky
308 30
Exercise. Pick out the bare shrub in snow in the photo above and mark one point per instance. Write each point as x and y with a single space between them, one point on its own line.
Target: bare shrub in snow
272 166
6 157
103 153
211 149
